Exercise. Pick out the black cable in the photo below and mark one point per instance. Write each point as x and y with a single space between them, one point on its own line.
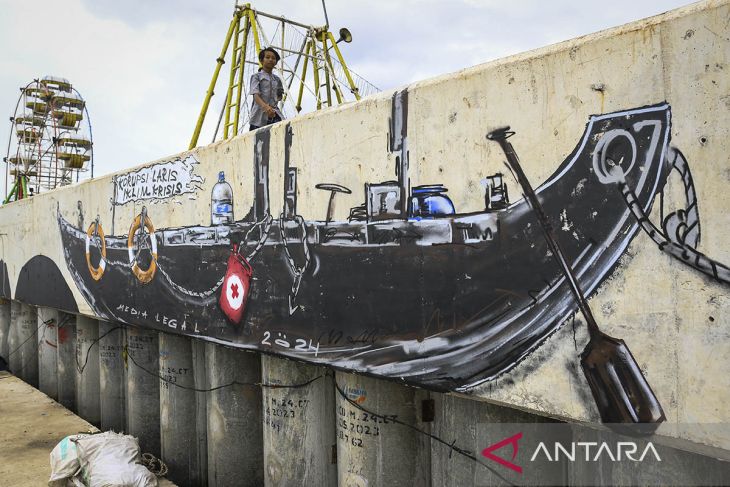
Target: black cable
386 418
27 359
38 347
452 446
45 323
93 342
81 369
230 384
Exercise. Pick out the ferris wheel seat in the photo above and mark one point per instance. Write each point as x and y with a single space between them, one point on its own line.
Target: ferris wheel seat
35 91
22 129
56 82
61 110
73 160
28 135
68 118
30 119
25 161
15 170
72 125
38 106
74 141
71 100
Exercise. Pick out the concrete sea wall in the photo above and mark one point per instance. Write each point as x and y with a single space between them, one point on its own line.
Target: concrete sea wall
359 276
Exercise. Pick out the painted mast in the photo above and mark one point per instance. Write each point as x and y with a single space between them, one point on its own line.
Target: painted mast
399 146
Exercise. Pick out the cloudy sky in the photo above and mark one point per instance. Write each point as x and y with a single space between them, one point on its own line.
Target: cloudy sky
144 65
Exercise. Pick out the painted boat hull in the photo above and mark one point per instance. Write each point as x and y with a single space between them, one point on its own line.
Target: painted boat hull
446 303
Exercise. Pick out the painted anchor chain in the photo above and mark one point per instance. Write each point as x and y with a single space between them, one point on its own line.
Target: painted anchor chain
296 270
681 229
266 222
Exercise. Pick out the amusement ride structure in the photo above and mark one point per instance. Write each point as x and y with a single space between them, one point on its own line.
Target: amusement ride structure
312 68
50 142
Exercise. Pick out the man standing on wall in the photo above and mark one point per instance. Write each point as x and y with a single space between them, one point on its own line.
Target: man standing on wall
267 90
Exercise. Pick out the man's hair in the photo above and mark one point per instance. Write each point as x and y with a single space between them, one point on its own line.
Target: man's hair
271 50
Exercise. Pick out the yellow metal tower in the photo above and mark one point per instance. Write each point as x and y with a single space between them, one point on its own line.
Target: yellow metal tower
304 49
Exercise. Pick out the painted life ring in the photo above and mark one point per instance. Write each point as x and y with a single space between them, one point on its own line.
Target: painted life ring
96 272
145 275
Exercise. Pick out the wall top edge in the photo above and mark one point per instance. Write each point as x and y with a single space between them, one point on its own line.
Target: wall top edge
638 25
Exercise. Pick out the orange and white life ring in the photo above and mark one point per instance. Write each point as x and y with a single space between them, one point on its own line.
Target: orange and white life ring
96 272
146 275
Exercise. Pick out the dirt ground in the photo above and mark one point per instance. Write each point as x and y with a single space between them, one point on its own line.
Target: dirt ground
31 424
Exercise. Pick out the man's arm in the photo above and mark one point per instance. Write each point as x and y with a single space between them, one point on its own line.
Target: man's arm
270 112
279 89
255 90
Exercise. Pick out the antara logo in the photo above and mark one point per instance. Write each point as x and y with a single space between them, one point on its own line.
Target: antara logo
589 451
628 448
512 440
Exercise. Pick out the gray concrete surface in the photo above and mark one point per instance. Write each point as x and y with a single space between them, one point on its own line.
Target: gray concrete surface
143 389
66 359
47 352
88 400
235 442
178 411
111 376
372 449
4 329
23 342
201 407
299 424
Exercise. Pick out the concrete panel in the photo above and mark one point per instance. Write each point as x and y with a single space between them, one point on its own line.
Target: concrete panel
235 442
13 358
111 376
178 411
201 407
4 329
457 419
373 450
143 389
66 360
23 342
47 352
88 400
299 424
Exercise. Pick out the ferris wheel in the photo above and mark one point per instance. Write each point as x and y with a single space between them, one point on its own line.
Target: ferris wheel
50 141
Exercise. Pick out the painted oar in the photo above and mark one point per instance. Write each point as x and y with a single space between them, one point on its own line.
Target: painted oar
622 394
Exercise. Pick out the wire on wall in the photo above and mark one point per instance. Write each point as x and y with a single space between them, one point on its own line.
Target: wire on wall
390 418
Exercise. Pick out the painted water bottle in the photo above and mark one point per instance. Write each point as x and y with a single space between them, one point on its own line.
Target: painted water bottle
221 202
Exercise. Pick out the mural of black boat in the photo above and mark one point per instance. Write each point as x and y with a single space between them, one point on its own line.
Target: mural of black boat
407 288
